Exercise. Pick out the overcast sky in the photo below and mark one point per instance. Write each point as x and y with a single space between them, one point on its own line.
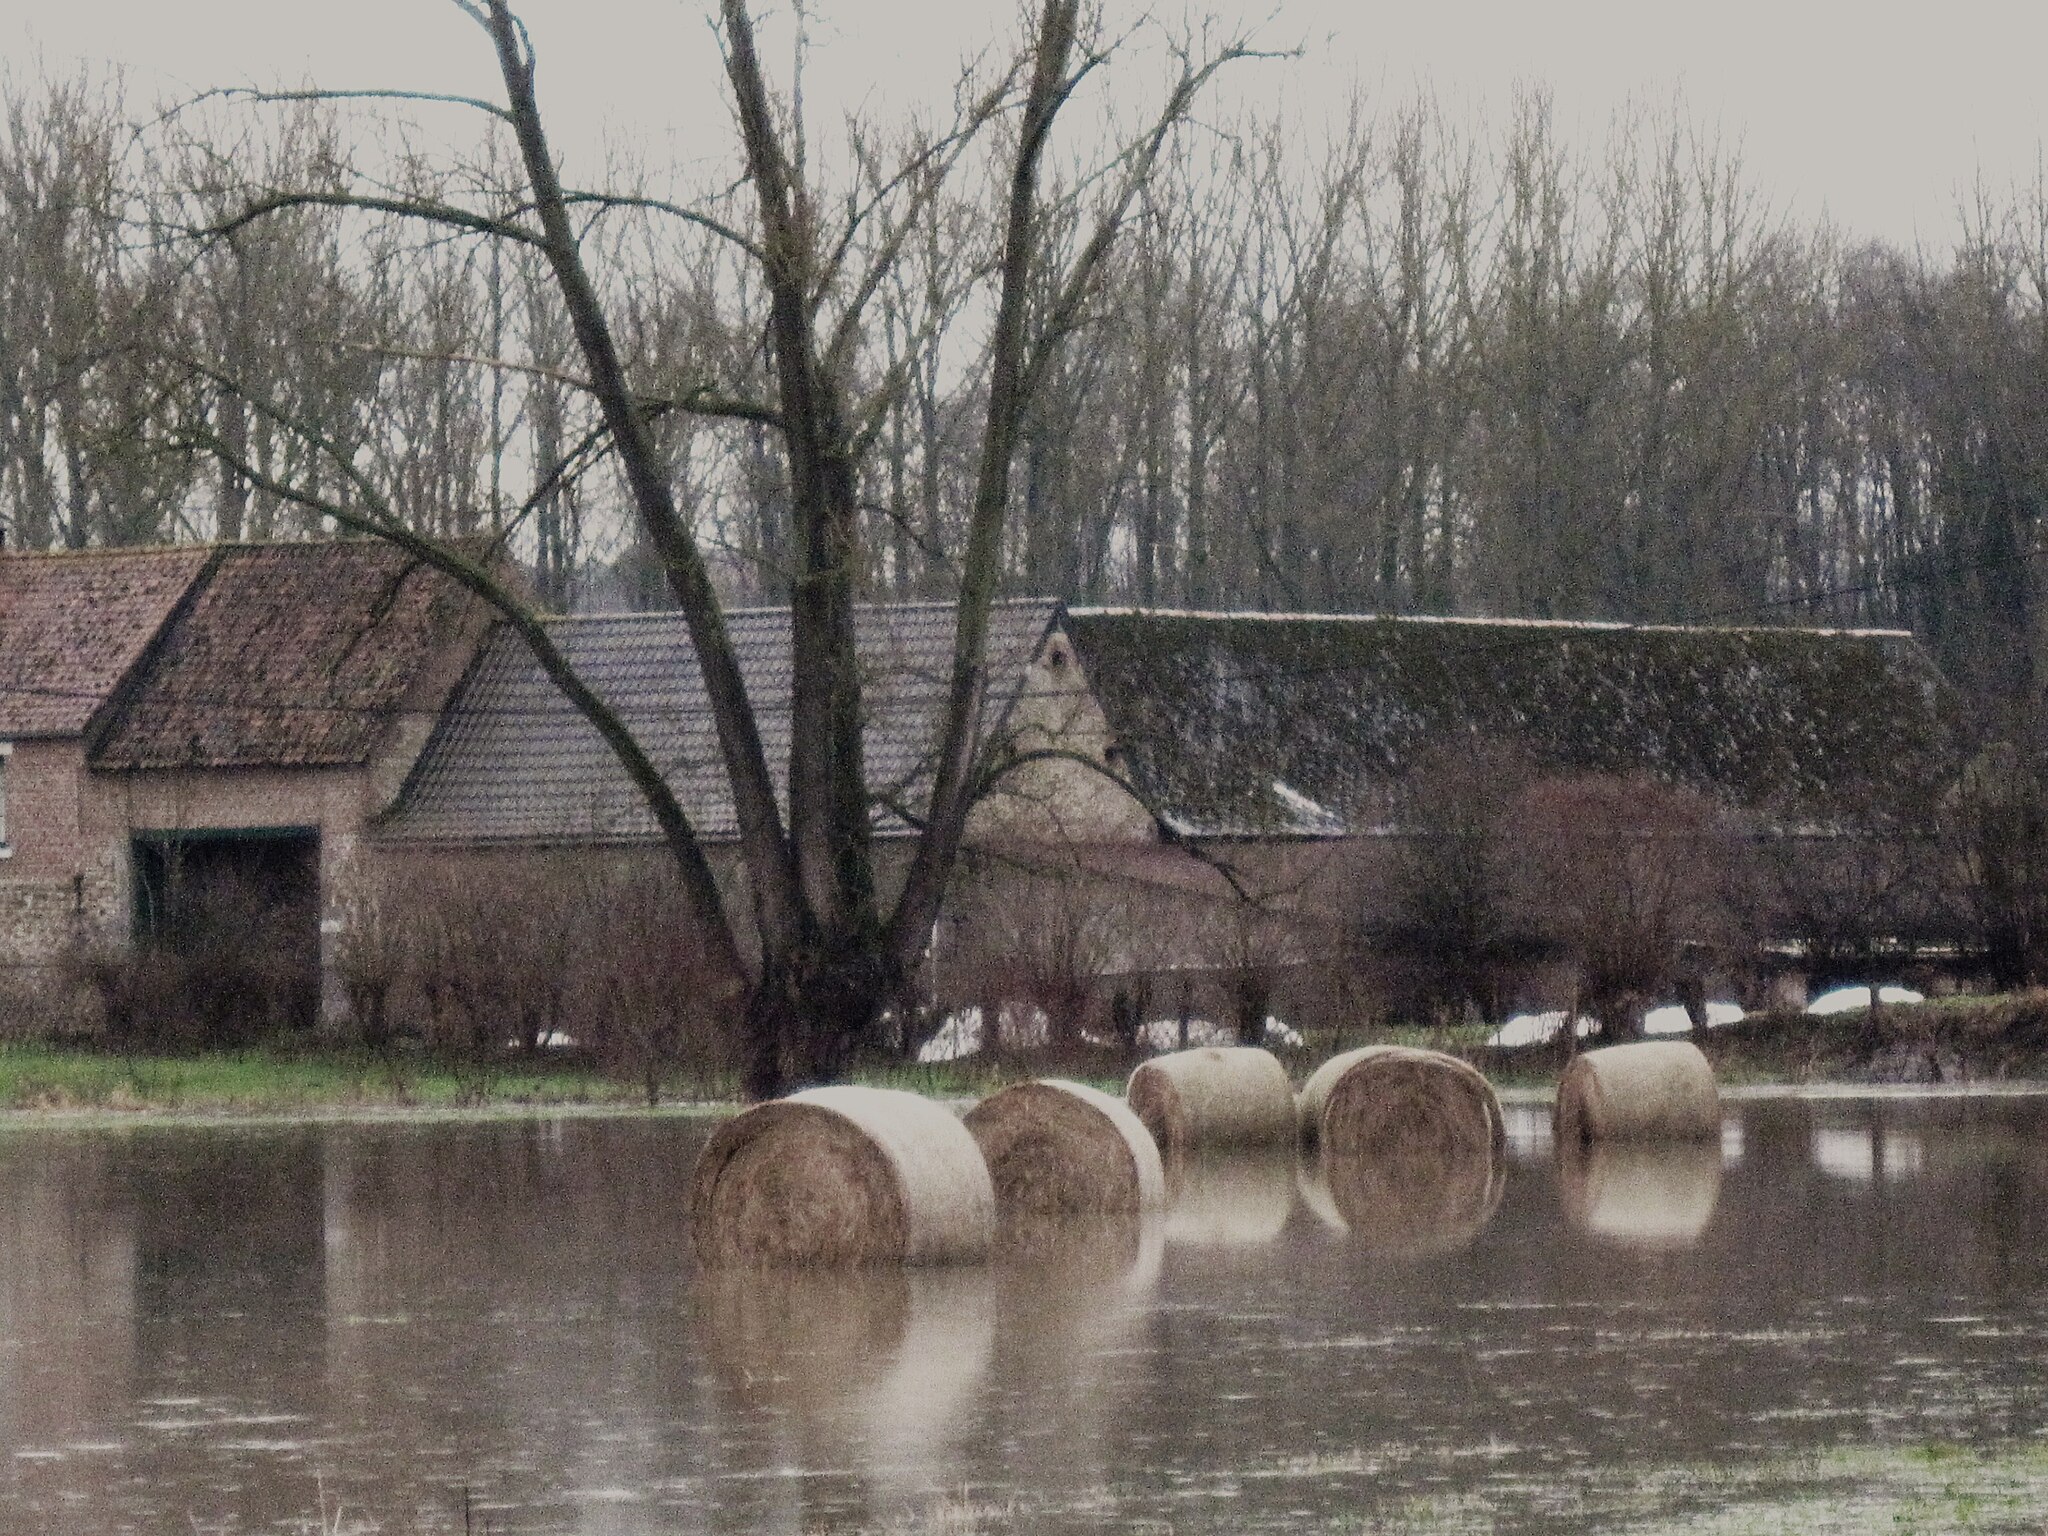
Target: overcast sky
1878 114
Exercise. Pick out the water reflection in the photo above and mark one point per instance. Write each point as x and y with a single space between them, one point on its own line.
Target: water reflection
207 1326
1400 1207
867 1376
1229 1199
67 1298
1652 1196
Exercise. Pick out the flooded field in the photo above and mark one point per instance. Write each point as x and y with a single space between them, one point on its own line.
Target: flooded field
1836 1322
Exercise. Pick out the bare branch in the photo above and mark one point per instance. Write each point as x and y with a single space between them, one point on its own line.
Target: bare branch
607 201
405 207
700 400
440 98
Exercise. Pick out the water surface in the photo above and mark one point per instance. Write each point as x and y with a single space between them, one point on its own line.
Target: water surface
1838 1319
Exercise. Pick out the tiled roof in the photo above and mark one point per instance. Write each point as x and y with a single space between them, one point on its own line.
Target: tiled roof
288 655
513 761
72 625
1250 724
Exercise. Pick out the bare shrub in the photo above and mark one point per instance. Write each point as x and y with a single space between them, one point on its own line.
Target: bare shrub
230 969
1994 832
1624 876
1040 939
1453 911
490 955
652 1001
1854 897
374 952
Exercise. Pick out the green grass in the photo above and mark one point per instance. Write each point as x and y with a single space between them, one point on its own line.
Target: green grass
274 1081
279 1080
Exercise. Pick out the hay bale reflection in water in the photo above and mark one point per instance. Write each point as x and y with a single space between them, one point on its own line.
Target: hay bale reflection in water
1056 1148
870 1370
842 1176
1407 1203
1237 1199
1646 1195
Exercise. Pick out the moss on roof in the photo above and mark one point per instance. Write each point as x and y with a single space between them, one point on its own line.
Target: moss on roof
1240 724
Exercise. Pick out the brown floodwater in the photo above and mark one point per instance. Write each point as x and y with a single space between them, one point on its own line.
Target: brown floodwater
217 1329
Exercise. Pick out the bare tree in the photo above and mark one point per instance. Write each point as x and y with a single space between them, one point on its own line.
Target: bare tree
822 956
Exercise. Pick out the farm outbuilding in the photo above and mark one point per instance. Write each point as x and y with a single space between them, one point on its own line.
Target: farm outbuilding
198 736
1190 816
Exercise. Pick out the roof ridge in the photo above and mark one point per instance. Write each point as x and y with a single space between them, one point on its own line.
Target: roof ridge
1141 611
934 605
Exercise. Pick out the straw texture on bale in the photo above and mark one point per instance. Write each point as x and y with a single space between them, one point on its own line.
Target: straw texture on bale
1659 1090
1218 1096
1238 1199
1056 1148
837 1176
1387 1100
1646 1195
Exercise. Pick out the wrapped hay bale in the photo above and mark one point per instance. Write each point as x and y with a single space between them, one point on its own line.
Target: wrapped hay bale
836 1176
1660 1090
1233 1200
1646 1195
1402 1206
1056 1148
1218 1096
1386 1100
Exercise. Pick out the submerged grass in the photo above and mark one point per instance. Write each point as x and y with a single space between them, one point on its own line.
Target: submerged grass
1933 1489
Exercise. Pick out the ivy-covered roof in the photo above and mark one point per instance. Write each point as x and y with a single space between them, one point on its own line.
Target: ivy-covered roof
1292 724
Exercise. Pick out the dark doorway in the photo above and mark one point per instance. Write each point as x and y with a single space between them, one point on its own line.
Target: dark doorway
230 924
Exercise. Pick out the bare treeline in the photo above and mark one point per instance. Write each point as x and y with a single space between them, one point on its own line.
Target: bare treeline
1403 366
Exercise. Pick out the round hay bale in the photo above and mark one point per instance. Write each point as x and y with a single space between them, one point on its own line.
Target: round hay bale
1056 1148
1234 1200
1218 1096
1660 1090
1646 1195
1387 1100
1405 1206
838 1176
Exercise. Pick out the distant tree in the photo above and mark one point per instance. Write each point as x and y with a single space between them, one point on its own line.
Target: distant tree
1454 903
1995 829
1622 875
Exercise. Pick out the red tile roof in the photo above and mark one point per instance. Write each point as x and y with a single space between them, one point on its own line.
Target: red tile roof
72 625
289 655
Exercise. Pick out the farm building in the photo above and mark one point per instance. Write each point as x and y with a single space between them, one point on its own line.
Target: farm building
1328 758
1228 796
180 727
1186 812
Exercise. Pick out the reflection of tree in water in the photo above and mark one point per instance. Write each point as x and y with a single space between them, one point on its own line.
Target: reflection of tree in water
867 1379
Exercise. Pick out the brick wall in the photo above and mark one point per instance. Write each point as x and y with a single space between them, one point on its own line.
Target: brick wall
58 883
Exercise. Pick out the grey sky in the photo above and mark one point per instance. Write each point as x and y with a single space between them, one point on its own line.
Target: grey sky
1882 114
